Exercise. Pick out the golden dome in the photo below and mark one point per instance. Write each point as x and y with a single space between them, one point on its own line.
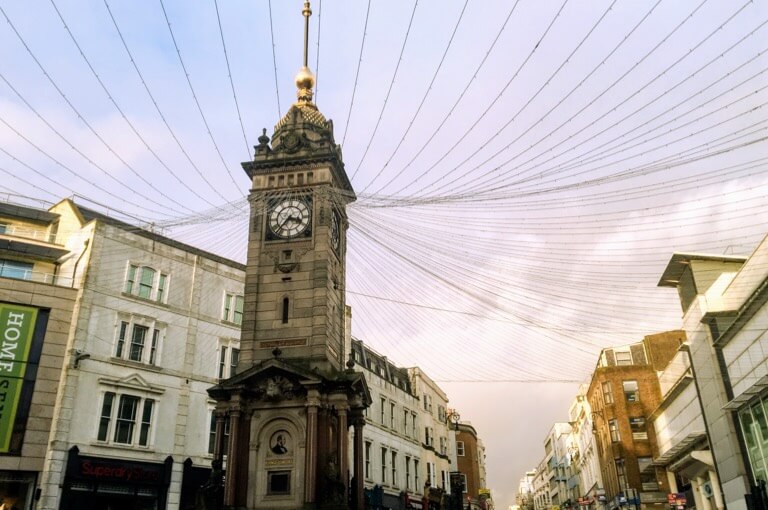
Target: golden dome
305 79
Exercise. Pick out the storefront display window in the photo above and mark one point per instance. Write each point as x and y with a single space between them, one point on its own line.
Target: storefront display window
754 426
16 490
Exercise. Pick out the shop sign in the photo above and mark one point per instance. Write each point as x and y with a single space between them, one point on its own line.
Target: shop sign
676 498
17 327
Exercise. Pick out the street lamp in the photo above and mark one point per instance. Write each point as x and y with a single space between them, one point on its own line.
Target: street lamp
453 416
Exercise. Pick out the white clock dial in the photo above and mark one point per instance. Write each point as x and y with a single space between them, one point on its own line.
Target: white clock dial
289 218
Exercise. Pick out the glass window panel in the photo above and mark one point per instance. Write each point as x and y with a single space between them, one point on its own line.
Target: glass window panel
212 434
235 355
238 318
147 279
227 306
130 279
126 419
121 339
106 414
154 347
137 342
161 287
16 269
146 422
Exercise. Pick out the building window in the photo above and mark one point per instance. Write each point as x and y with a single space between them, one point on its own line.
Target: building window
647 474
405 421
139 340
146 283
623 358
286 306
754 426
233 309
463 483
639 431
429 439
460 448
392 415
613 427
227 360
414 426
431 474
383 407
408 473
393 461
416 474
278 482
441 413
129 422
15 269
443 445
383 465
607 392
367 460
631 392
621 473
427 403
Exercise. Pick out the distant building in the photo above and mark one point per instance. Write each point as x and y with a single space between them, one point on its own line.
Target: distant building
586 483
471 463
623 394
541 499
556 446
392 446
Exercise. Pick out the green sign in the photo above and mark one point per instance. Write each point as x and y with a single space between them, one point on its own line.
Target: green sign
17 326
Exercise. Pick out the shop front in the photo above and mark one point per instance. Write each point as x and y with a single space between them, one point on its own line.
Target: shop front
16 490
101 483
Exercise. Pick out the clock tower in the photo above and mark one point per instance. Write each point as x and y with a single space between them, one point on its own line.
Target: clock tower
290 405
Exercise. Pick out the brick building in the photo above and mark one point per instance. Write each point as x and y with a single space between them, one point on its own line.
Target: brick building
623 394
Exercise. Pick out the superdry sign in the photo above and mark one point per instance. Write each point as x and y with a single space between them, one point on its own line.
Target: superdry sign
17 327
124 473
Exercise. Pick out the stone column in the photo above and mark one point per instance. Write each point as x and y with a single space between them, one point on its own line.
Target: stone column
702 503
342 445
715 481
358 422
310 458
233 455
218 447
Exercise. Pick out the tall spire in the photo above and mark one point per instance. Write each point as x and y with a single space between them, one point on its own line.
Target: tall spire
305 80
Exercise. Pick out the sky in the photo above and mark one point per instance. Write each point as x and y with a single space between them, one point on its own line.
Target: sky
524 169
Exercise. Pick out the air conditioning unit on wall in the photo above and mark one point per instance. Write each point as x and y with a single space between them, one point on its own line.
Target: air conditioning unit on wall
706 489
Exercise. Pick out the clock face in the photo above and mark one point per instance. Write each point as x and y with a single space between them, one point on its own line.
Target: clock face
334 230
289 218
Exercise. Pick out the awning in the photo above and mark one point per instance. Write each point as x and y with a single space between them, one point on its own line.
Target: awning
681 446
747 394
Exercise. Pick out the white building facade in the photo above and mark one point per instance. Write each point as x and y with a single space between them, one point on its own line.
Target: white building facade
155 324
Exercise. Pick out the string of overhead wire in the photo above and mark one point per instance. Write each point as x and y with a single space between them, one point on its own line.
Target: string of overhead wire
231 82
426 93
499 131
274 59
69 104
389 91
130 124
357 74
151 96
199 107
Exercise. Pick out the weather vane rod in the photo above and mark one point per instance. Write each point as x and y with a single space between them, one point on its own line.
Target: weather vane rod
307 12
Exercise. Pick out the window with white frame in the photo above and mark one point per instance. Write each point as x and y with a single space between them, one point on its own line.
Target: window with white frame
443 445
392 415
631 391
233 309
431 474
414 426
139 339
126 419
383 407
408 473
460 448
228 357
383 465
441 413
367 460
393 465
146 283
405 421
415 473
464 483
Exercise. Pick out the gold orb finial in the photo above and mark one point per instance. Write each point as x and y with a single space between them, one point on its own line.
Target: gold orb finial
305 82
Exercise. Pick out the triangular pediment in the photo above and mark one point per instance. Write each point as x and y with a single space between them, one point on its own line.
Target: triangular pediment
133 382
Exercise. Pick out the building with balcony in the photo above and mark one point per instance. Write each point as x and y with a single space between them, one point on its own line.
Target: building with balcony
623 393
682 447
39 282
724 314
711 298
